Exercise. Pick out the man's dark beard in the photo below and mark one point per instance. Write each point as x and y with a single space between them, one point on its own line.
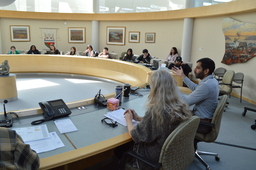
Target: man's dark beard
199 75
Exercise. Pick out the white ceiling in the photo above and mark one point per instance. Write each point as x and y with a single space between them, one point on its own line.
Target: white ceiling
102 6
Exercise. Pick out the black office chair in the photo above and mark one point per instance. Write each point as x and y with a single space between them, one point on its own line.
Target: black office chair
238 80
244 113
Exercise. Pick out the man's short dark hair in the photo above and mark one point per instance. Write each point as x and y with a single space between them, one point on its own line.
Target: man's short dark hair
106 48
145 51
207 63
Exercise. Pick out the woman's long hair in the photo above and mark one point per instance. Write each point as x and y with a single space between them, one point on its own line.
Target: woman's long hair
32 47
53 47
175 51
164 100
128 57
74 51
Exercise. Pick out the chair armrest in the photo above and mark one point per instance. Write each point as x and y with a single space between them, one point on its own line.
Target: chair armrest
154 164
225 84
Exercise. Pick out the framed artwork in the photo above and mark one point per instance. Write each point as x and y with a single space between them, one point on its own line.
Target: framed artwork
76 35
20 33
150 37
134 37
116 35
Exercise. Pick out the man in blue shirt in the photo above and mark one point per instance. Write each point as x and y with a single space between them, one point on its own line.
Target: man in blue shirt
204 95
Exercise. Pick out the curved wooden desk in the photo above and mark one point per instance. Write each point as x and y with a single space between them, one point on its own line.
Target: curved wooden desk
121 71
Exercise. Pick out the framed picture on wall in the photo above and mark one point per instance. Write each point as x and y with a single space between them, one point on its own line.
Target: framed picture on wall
116 35
134 37
76 35
150 37
20 33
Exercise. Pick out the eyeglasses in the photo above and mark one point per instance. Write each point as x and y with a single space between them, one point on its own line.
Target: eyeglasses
109 122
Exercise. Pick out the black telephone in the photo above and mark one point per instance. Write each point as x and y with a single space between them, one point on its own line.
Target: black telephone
52 110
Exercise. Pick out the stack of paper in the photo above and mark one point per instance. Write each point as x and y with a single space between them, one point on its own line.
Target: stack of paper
118 115
65 125
39 139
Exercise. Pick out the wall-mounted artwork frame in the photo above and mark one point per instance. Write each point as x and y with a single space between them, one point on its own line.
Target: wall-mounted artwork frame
150 37
20 33
115 35
76 34
134 37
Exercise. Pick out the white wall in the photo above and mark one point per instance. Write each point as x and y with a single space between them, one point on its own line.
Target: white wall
168 34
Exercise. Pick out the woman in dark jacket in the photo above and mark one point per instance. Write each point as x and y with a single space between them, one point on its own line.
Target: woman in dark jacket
33 50
129 56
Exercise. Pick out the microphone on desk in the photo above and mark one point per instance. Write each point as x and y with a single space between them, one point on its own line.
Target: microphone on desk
6 119
5 114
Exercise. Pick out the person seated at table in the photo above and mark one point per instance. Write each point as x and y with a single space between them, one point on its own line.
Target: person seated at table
53 50
72 51
165 110
173 54
179 63
33 50
89 51
145 57
13 50
4 68
129 56
105 53
15 154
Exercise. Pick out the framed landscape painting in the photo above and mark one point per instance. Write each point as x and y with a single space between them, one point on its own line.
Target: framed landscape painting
20 33
134 37
150 37
116 35
76 35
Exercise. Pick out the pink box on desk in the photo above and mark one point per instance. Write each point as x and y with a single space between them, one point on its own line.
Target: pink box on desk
113 104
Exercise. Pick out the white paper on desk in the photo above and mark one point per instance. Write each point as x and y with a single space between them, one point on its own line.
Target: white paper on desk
33 132
65 125
45 145
118 115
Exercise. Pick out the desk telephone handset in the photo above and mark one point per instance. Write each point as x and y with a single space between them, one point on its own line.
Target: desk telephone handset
53 109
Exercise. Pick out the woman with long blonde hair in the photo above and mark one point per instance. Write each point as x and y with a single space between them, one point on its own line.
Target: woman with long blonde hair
165 110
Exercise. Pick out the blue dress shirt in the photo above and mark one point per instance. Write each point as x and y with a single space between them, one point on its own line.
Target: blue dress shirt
204 95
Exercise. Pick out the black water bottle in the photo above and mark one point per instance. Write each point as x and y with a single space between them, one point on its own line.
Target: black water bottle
127 90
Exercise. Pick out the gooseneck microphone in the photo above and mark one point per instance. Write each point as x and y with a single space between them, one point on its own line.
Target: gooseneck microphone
5 114
6 119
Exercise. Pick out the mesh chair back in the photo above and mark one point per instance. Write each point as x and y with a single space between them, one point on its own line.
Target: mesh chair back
122 55
178 150
238 78
226 86
216 120
219 72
